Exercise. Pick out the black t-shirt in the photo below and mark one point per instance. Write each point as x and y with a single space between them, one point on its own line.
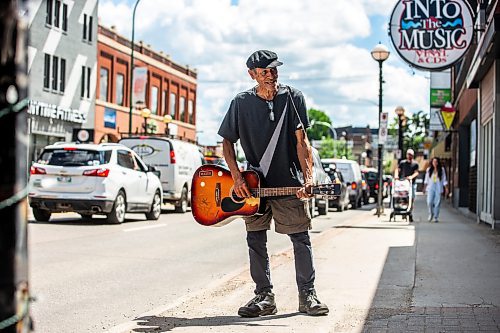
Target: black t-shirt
407 168
269 145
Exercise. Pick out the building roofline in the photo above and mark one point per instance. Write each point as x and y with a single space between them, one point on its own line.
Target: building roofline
146 50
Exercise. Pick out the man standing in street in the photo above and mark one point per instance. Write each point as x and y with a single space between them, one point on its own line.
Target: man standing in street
408 169
270 120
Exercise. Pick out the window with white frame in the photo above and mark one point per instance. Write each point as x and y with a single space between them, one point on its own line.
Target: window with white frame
120 79
54 73
56 12
154 100
87 27
103 84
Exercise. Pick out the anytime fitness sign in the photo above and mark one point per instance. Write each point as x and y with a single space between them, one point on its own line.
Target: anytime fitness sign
431 34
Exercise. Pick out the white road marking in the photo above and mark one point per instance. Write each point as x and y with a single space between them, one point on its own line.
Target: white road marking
146 227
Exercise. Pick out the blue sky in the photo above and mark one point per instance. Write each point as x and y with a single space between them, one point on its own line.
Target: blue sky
325 47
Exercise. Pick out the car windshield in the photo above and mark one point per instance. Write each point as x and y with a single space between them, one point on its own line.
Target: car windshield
371 175
74 157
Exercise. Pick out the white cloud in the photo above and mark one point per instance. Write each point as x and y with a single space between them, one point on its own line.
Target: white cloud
325 46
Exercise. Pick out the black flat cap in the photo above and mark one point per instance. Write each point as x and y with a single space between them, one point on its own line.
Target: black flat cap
263 59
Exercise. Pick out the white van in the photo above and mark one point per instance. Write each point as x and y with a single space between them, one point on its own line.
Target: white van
352 176
175 159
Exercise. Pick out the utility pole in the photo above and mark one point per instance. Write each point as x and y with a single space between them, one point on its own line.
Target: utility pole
14 288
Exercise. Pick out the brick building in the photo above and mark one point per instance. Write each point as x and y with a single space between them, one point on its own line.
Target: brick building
170 90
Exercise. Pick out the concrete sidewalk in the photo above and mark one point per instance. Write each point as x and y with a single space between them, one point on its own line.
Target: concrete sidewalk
375 275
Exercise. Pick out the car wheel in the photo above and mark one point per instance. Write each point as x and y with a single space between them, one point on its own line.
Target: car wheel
117 214
155 212
322 210
360 202
41 215
341 207
182 204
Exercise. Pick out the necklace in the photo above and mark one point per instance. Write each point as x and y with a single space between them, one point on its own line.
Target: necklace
270 105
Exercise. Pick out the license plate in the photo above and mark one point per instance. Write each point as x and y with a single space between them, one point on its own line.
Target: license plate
64 179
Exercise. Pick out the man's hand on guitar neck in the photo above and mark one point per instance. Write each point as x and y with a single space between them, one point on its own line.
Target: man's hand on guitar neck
305 192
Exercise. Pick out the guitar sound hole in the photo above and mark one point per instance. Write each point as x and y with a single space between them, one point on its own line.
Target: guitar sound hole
236 198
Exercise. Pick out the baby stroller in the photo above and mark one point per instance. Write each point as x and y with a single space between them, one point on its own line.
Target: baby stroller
401 201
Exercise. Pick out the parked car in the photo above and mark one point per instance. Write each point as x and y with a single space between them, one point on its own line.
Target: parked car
319 177
366 189
371 175
352 175
215 160
341 202
87 179
176 160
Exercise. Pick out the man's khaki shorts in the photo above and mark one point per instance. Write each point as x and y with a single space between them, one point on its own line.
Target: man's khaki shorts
290 215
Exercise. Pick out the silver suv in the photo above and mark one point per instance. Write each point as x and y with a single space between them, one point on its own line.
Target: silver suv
107 179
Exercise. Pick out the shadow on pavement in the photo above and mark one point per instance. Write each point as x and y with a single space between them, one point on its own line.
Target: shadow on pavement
167 324
396 226
82 222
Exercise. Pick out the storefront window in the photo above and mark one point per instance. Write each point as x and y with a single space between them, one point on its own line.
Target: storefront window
190 112
172 105
154 100
182 109
119 89
103 90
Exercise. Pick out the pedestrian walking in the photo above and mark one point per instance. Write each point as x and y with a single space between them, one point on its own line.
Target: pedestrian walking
408 169
270 120
435 184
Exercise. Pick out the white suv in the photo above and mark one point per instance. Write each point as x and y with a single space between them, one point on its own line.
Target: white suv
108 179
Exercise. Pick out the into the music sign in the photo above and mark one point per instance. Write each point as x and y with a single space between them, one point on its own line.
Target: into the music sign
431 35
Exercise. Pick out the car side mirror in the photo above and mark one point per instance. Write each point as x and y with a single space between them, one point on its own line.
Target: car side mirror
154 170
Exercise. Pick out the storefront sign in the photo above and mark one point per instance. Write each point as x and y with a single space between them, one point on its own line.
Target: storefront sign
139 87
436 122
431 34
109 118
439 97
42 109
448 113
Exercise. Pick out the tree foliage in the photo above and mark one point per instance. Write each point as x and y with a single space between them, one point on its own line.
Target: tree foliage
317 132
335 149
414 130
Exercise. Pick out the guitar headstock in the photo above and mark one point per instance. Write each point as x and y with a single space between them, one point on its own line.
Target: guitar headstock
329 190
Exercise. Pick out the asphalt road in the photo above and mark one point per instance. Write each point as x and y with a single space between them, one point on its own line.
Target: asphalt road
90 276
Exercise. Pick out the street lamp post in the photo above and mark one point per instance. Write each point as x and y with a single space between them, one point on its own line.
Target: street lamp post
167 119
131 76
380 53
400 111
145 113
344 135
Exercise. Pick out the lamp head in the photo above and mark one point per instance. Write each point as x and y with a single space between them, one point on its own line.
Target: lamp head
167 118
145 113
400 111
380 53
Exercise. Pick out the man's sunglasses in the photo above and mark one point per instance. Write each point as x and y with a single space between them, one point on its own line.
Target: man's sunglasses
264 72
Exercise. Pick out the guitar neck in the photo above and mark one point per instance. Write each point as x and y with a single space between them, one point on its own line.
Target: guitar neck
273 191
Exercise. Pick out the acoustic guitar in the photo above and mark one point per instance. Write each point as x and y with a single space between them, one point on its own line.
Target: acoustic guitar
213 202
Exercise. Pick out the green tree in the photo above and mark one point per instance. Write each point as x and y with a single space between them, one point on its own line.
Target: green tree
319 131
414 130
335 149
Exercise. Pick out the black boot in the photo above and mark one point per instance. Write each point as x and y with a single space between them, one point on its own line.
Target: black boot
261 305
310 304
